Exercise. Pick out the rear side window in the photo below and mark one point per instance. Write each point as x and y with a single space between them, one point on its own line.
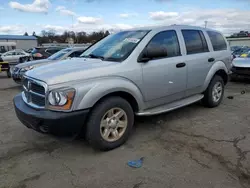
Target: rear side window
195 41
217 41
168 40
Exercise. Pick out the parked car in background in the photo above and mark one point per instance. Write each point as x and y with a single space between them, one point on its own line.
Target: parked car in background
239 51
14 55
241 67
144 71
245 54
67 53
43 53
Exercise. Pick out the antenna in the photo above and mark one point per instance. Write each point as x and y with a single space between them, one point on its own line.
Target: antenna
206 23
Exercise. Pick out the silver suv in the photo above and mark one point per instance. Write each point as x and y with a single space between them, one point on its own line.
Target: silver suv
142 72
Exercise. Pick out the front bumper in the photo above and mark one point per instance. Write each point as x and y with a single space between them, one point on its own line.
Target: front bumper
46 121
241 70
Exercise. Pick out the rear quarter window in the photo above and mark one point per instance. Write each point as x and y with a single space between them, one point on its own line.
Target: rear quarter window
217 40
195 41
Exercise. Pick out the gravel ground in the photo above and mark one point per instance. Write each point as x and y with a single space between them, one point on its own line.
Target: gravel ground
191 147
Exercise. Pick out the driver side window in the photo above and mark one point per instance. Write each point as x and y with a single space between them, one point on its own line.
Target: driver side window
168 41
10 53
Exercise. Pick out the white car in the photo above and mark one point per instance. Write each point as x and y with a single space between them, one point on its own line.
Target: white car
14 55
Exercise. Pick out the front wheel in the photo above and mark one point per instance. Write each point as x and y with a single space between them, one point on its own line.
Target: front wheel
8 73
214 93
110 123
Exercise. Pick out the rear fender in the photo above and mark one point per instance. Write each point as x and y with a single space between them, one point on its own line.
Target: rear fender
219 65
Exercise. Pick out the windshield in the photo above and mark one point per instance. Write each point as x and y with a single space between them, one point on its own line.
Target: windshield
116 47
59 54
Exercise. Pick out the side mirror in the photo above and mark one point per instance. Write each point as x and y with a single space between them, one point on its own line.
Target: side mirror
152 52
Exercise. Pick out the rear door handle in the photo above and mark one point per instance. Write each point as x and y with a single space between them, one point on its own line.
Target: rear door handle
180 65
211 60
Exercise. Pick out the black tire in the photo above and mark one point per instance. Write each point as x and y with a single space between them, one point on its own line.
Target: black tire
93 134
208 98
8 73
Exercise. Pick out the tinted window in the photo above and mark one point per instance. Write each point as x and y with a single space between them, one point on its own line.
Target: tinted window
167 40
76 53
217 40
10 53
52 51
19 53
195 41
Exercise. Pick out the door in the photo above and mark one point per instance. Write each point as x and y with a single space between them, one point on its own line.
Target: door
8 56
198 60
18 55
165 74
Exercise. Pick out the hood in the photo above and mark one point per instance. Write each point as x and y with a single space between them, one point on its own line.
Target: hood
33 63
70 70
241 62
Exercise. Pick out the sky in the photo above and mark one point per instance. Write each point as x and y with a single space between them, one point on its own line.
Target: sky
20 16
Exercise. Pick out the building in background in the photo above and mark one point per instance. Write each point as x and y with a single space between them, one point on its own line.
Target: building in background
245 41
20 41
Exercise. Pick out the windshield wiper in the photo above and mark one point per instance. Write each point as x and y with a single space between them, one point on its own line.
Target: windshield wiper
94 56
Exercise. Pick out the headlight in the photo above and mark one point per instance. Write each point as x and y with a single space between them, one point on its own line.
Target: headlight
27 68
61 100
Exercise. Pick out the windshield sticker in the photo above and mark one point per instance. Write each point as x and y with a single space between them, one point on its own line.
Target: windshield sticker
132 40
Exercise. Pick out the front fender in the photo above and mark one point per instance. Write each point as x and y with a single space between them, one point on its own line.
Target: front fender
90 92
219 65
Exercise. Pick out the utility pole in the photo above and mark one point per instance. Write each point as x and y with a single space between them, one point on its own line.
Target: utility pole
206 23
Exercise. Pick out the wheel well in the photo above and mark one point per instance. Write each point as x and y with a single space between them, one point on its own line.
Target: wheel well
127 96
223 75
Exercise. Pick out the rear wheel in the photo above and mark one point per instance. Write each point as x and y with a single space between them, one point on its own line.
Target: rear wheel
214 93
110 123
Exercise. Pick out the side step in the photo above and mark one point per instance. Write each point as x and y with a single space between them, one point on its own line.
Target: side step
171 106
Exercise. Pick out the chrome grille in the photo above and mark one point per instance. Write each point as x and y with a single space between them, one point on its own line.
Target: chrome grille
37 89
34 93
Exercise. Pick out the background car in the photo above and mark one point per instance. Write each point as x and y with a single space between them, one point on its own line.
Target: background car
67 53
241 67
239 51
14 55
245 54
43 53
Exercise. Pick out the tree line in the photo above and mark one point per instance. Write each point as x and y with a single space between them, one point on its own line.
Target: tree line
51 36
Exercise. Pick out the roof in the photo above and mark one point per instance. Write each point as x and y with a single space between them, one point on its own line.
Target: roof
175 26
17 37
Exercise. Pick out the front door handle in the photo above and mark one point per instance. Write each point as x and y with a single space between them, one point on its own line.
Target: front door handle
211 60
179 65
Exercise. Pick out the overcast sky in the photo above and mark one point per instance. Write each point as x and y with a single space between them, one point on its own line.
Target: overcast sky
19 16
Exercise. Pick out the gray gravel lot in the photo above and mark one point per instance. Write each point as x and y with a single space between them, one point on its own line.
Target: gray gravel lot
192 147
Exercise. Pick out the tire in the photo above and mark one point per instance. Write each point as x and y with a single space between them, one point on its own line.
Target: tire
208 99
94 132
8 73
